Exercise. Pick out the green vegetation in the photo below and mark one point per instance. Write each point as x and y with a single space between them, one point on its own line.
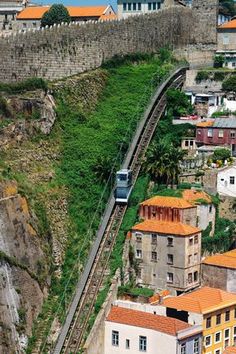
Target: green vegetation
202 76
221 155
27 85
178 103
228 6
219 61
56 14
229 84
93 146
128 289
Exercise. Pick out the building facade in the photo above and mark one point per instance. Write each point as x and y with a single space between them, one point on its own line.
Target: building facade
168 255
219 271
221 132
168 209
226 181
8 12
128 8
227 43
212 308
130 331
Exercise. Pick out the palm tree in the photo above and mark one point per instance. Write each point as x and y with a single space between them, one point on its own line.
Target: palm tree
162 162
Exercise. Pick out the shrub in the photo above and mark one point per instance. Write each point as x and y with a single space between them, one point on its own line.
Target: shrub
202 76
219 61
57 13
229 84
27 85
221 155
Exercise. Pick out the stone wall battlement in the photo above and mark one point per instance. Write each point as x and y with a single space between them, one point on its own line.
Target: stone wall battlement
68 49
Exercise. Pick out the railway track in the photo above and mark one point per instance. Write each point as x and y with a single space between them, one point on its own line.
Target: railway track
72 335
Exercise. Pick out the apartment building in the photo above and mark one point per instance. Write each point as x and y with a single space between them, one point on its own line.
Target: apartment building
128 8
131 331
168 255
212 308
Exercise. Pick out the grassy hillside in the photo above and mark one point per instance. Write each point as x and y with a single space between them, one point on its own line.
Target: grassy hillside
97 115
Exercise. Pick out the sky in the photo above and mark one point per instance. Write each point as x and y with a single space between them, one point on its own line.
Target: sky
81 2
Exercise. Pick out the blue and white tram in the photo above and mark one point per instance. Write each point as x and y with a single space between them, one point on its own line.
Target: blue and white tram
123 186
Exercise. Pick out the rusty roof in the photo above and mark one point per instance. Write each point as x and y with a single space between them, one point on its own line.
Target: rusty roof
204 300
230 350
166 227
224 260
167 202
228 25
192 196
147 320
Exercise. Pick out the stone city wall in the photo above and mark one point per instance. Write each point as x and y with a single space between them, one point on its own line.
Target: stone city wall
65 50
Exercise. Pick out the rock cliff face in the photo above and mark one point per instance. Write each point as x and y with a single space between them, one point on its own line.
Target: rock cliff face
23 270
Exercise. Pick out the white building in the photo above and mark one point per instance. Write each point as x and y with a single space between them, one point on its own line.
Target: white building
130 331
128 8
226 181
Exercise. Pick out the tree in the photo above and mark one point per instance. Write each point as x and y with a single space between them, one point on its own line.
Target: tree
57 13
221 155
162 162
229 84
228 6
178 102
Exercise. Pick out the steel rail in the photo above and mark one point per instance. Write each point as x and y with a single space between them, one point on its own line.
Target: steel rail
74 329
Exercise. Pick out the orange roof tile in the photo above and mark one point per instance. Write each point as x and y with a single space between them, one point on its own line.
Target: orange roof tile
166 227
167 202
224 260
231 24
192 196
204 300
230 350
37 12
205 124
147 320
33 12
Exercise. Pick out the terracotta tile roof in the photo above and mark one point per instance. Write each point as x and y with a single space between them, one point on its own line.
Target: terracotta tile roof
147 320
36 12
231 24
230 350
192 196
166 227
168 202
205 124
33 12
203 300
225 260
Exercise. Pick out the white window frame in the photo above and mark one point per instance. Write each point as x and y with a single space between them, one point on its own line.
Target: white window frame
220 133
140 256
183 348
210 336
227 338
196 341
168 279
115 343
215 351
143 349
216 342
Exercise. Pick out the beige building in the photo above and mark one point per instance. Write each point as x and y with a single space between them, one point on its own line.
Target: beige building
227 43
219 271
168 255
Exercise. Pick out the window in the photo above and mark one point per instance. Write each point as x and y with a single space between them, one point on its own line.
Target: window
221 133
170 241
129 6
190 259
186 143
139 6
170 258
183 348
208 322
127 344
227 337
210 208
218 351
195 276
191 241
233 64
227 316
154 6
124 6
191 143
207 341
232 134
149 6
142 344
158 5
218 319
138 238
115 338
234 336
196 346
134 6
231 180
138 253
154 239
196 240
195 257
217 337
235 313
225 39
210 133
170 277
154 256
190 278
